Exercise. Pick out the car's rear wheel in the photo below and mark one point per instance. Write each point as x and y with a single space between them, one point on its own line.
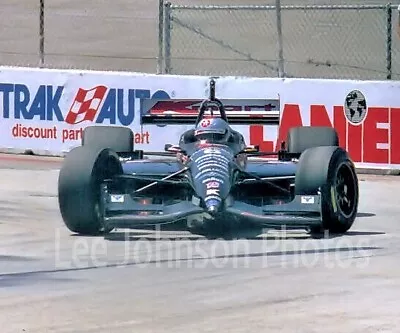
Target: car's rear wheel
330 171
117 138
301 138
80 178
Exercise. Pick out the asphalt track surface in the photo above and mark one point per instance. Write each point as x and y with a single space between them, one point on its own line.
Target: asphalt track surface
122 35
172 281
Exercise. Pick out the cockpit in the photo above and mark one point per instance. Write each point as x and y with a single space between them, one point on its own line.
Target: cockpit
212 128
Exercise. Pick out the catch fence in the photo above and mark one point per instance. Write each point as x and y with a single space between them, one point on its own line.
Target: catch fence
329 41
310 41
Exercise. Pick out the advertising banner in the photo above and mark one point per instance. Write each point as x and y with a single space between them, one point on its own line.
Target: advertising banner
365 115
47 110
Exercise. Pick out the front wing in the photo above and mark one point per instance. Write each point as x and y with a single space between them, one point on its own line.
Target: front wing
122 211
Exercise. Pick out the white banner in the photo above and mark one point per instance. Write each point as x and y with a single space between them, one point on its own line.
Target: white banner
46 110
364 113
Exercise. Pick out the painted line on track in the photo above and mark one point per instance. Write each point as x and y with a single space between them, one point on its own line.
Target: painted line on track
30 158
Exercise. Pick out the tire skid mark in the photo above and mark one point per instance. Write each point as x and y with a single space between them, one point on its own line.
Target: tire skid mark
164 261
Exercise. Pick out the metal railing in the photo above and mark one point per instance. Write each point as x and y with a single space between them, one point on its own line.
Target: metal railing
329 41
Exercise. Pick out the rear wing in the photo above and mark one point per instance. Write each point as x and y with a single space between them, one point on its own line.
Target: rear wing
238 111
235 111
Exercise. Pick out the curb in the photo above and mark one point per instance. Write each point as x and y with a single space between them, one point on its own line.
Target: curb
378 172
30 152
47 154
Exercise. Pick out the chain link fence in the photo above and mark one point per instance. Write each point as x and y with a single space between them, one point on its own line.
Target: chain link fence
329 41
80 34
18 40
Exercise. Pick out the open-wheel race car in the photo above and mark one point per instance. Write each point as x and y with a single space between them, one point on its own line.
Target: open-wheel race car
210 179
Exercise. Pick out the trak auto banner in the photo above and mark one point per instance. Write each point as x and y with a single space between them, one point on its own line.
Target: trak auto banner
47 110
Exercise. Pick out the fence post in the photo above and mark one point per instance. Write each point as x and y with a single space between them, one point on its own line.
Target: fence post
167 37
41 33
160 36
398 21
281 69
389 42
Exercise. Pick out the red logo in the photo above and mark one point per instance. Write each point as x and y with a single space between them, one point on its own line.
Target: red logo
205 123
85 105
212 184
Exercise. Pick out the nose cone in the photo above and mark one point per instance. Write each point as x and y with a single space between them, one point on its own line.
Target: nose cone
213 206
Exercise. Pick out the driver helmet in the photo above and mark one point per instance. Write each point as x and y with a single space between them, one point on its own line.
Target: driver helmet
212 129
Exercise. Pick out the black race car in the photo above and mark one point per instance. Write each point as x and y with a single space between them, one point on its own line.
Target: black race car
210 179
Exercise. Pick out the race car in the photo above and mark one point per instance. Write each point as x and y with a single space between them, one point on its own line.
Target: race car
211 179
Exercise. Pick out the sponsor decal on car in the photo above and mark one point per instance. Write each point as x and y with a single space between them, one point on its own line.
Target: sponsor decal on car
205 122
212 191
307 199
212 185
117 198
216 179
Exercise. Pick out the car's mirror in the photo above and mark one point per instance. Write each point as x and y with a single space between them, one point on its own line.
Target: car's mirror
251 149
173 148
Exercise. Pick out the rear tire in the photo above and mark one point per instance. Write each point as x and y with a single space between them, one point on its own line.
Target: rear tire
301 138
79 182
330 170
116 138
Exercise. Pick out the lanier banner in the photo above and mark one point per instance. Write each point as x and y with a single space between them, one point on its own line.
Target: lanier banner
365 115
47 110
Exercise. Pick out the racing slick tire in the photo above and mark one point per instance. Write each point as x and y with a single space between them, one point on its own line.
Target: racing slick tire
117 138
301 138
329 169
82 172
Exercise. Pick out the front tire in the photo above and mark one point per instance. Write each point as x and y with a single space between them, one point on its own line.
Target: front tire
80 178
330 170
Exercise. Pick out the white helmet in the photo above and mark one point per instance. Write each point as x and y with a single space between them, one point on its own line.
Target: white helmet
212 129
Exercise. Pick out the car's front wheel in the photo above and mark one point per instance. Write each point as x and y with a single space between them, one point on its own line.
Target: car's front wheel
80 178
329 169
